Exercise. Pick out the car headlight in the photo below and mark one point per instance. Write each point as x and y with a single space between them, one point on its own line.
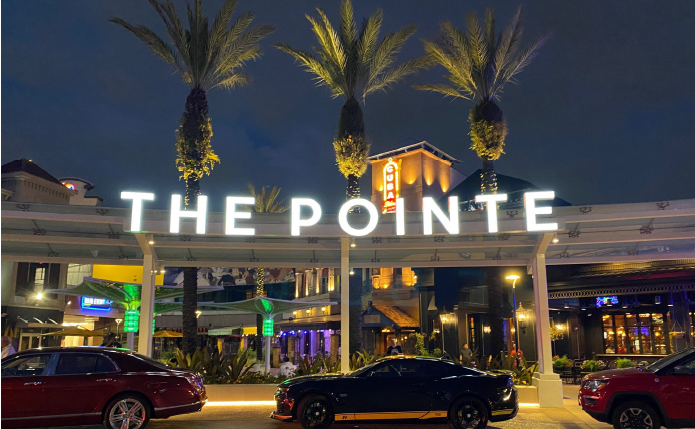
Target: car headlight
595 385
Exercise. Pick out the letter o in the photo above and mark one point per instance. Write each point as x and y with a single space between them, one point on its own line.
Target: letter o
373 217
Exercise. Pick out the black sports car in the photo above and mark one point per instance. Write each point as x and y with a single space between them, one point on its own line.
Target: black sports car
399 388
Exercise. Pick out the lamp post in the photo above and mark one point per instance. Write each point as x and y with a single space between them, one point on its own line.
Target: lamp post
118 326
444 318
514 278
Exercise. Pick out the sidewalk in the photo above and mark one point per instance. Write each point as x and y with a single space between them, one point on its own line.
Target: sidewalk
570 417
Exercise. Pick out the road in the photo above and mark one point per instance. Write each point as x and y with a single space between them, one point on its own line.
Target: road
256 417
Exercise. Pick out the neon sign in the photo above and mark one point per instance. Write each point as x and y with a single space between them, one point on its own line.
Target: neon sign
606 300
430 210
89 303
391 186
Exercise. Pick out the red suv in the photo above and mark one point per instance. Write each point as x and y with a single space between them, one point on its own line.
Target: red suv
661 394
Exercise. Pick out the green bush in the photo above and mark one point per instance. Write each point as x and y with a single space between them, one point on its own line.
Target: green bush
562 363
590 365
437 353
623 363
420 348
214 367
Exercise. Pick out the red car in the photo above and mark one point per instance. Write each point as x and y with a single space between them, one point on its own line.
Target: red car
661 394
89 385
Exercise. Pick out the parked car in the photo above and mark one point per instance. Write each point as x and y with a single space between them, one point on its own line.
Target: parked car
399 388
661 394
89 385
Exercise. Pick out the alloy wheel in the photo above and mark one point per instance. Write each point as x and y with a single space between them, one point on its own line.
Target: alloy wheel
315 413
128 413
636 418
468 416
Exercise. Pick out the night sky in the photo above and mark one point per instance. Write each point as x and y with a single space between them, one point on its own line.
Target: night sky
604 114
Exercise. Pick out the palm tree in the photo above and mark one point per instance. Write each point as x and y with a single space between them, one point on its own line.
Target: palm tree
479 62
354 64
205 57
265 203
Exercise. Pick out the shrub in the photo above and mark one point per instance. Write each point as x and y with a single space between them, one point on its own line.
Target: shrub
623 363
590 365
561 363
214 367
437 353
420 348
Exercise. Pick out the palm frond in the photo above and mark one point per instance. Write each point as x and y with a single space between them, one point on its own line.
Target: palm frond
233 80
521 61
313 65
508 42
385 52
348 27
447 90
392 76
266 202
367 41
154 42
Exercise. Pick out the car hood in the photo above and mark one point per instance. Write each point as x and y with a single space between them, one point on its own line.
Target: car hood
313 377
613 373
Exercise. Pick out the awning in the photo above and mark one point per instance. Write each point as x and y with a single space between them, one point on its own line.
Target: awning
267 307
304 323
232 330
75 331
167 334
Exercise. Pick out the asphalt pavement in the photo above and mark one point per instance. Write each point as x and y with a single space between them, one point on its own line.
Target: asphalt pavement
257 417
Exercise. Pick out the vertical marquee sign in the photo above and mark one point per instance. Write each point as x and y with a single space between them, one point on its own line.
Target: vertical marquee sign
391 185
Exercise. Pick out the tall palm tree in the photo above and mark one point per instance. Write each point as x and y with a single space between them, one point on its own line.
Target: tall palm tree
479 63
205 57
265 203
354 64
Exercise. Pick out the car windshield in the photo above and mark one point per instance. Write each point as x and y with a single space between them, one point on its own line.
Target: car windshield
364 370
668 360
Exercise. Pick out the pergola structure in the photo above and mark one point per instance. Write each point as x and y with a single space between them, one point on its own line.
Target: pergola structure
663 230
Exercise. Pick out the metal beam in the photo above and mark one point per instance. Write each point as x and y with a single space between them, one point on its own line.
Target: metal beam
62 239
345 304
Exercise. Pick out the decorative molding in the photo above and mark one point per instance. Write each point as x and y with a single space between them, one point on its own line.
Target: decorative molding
438 238
250 239
184 238
662 205
503 237
312 240
113 235
376 240
626 290
102 212
585 210
512 213
23 207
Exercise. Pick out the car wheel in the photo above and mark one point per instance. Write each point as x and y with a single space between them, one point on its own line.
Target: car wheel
635 415
468 413
315 412
128 411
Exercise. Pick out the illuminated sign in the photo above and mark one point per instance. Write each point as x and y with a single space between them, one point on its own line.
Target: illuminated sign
392 185
606 300
69 186
89 303
267 327
131 320
430 210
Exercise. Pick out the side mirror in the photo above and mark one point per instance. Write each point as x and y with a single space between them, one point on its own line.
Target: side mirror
682 370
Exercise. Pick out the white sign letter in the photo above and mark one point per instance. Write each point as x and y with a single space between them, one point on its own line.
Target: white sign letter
400 216
297 221
136 214
232 215
177 214
429 207
491 207
531 211
373 217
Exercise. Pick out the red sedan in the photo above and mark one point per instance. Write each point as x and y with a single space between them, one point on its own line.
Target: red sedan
89 385
662 394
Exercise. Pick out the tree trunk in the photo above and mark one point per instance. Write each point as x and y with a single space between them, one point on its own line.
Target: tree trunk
259 337
493 279
488 177
352 159
193 135
190 302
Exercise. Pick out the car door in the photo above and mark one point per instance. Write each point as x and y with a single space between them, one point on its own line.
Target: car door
676 389
23 379
396 389
80 385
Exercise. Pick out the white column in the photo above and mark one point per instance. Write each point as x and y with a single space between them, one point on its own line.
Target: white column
146 306
547 382
267 354
345 305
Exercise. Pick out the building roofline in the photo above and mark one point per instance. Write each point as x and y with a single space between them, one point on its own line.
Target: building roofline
423 144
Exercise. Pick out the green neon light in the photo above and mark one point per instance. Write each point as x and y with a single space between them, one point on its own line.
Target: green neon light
267 306
267 327
131 320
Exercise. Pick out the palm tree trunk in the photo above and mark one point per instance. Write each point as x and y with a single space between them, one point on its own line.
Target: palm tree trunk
194 133
190 297
493 279
260 291
351 125
488 177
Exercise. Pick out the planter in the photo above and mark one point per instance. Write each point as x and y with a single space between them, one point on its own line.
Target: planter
240 392
527 394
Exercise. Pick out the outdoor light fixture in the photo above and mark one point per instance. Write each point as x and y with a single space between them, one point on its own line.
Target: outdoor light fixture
487 329
567 305
162 271
555 239
151 242
352 272
198 313
657 300
39 295
352 243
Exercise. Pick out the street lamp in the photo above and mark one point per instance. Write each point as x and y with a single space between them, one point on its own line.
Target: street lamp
514 278
118 325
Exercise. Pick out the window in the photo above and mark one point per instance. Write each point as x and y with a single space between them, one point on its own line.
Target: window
632 332
646 332
35 277
659 337
386 371
104 364
409 368
437 369
608 334
25 366
76 363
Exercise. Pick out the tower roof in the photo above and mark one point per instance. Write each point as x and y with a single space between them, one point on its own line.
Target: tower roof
28 166
410 145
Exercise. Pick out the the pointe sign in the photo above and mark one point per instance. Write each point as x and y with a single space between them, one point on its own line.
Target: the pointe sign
312 213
